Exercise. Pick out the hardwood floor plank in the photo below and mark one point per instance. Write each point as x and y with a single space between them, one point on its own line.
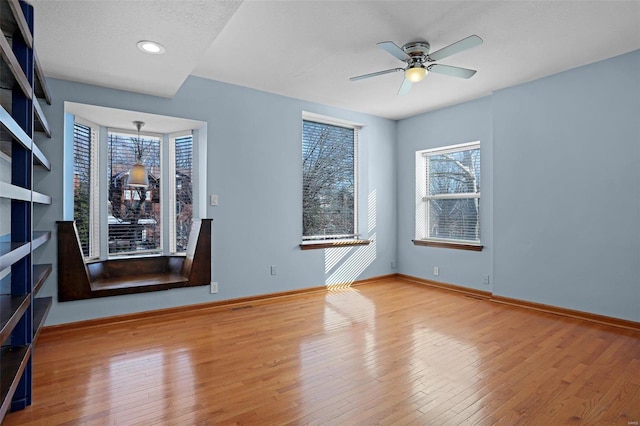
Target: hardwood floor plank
385 353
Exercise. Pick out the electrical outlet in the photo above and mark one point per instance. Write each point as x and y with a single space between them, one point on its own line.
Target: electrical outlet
393 264
214 287
436 271
485 279
274 270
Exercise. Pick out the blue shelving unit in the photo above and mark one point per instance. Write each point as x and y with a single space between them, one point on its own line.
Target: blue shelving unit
21 313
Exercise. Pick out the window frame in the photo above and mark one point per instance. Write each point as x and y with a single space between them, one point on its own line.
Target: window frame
99 232
338 240
423 197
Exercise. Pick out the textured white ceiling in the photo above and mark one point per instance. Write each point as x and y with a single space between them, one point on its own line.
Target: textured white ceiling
94 41
309 49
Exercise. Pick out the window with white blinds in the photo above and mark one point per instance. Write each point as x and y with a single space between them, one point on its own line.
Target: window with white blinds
181 163
329 181
82 183
448 185
134 212
85 187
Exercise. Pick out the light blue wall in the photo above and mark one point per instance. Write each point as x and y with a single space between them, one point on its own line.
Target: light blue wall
462 123
565 189
254 165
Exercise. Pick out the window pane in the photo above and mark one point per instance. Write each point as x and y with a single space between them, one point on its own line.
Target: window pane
82 183
454 173
134 213
184 194
455 219
328 184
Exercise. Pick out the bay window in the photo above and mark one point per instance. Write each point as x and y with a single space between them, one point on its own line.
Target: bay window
136 220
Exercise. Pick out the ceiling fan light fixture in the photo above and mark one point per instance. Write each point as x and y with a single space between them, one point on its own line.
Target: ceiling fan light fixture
417 53
152 47
415 74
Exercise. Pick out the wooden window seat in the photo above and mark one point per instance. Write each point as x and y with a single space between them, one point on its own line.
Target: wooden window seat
79 280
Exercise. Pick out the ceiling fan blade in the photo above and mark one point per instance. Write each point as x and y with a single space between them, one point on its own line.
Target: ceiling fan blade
394 49
452 71
374 74
405 87
457 47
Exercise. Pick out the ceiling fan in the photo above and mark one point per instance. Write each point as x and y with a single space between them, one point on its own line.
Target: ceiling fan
416 55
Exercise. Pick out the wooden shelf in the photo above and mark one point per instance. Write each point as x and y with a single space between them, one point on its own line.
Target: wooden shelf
14 192
41 89
39 238
13 307
7 19
41 198
40 275
14 66
13 21
20 21
10 253
13 129
41 306
41 123
39 159
14 360
11 310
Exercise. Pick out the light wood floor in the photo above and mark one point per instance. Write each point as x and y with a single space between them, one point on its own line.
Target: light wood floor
384 353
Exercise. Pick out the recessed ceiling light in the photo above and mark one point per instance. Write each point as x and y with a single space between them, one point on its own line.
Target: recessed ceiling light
152 47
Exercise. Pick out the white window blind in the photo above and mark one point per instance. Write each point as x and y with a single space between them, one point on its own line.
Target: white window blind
181 192
450 194
94 217
86 209
329 184
82 184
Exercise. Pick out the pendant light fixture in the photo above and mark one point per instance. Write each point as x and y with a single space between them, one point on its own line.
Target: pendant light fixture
138 176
